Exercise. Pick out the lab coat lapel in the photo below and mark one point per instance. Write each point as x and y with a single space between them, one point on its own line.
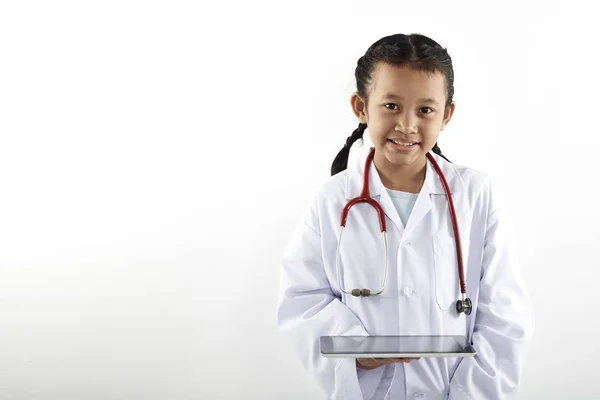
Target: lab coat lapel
431 187
421 208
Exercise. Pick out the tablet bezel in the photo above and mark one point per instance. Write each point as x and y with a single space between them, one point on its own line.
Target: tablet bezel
325 343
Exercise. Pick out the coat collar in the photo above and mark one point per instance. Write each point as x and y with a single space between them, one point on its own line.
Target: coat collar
432 186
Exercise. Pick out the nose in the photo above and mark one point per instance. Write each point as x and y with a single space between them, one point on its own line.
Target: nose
406 123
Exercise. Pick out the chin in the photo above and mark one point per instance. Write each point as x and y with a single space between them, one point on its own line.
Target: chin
401 160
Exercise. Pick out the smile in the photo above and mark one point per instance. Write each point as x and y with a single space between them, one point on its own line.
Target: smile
402 143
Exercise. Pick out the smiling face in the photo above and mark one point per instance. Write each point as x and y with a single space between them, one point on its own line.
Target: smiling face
405 112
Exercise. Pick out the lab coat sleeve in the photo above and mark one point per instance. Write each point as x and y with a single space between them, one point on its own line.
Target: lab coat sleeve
307 309
503 324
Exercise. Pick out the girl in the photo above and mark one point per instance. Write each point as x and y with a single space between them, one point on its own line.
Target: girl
405 87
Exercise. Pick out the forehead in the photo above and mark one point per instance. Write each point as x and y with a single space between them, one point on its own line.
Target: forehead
407 83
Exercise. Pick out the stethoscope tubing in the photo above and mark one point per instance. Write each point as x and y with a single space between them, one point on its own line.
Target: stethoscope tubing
365 197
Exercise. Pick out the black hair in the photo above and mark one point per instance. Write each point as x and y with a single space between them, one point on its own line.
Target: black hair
416 51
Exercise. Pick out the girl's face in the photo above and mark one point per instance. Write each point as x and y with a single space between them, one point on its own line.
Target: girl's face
405 113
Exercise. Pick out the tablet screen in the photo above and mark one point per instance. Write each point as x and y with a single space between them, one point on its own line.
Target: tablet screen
393 344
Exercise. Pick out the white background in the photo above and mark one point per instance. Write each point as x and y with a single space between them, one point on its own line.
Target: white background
155 157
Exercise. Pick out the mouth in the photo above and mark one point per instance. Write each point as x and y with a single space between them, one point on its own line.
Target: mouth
403 144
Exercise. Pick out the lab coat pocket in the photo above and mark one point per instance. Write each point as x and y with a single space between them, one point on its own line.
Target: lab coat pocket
447 278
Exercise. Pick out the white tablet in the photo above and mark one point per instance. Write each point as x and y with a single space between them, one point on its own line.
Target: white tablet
395 346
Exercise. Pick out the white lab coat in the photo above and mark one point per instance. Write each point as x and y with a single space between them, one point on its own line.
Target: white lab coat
421 291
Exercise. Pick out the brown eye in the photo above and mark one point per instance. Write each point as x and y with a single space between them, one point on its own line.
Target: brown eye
392 105
426 108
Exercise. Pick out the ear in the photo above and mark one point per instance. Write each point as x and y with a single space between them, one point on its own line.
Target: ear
448 113
359 107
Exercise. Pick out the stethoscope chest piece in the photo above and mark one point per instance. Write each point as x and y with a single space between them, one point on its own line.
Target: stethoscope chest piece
464 306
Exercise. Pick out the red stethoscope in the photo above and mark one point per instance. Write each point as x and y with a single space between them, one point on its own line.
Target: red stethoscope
462 305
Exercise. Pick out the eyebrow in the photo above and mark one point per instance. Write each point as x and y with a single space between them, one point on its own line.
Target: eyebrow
423 100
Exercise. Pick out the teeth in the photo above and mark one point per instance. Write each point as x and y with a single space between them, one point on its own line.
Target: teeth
402 144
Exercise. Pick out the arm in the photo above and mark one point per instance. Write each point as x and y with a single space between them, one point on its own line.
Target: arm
308 309
503 325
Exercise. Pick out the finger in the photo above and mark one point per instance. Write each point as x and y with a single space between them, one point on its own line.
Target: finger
367 361
380 360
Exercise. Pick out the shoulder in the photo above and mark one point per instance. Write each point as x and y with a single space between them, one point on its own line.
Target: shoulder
478 187
473 180
327 197
334 185
331 192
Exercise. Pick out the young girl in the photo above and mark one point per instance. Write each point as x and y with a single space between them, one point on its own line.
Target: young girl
437 278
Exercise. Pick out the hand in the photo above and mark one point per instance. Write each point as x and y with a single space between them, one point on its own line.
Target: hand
372 363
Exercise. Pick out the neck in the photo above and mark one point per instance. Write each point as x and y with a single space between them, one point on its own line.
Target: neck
405 178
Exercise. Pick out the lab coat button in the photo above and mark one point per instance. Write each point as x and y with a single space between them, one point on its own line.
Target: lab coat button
408 291
417 395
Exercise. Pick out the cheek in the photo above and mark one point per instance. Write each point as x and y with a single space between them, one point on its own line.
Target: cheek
431 125
381 121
